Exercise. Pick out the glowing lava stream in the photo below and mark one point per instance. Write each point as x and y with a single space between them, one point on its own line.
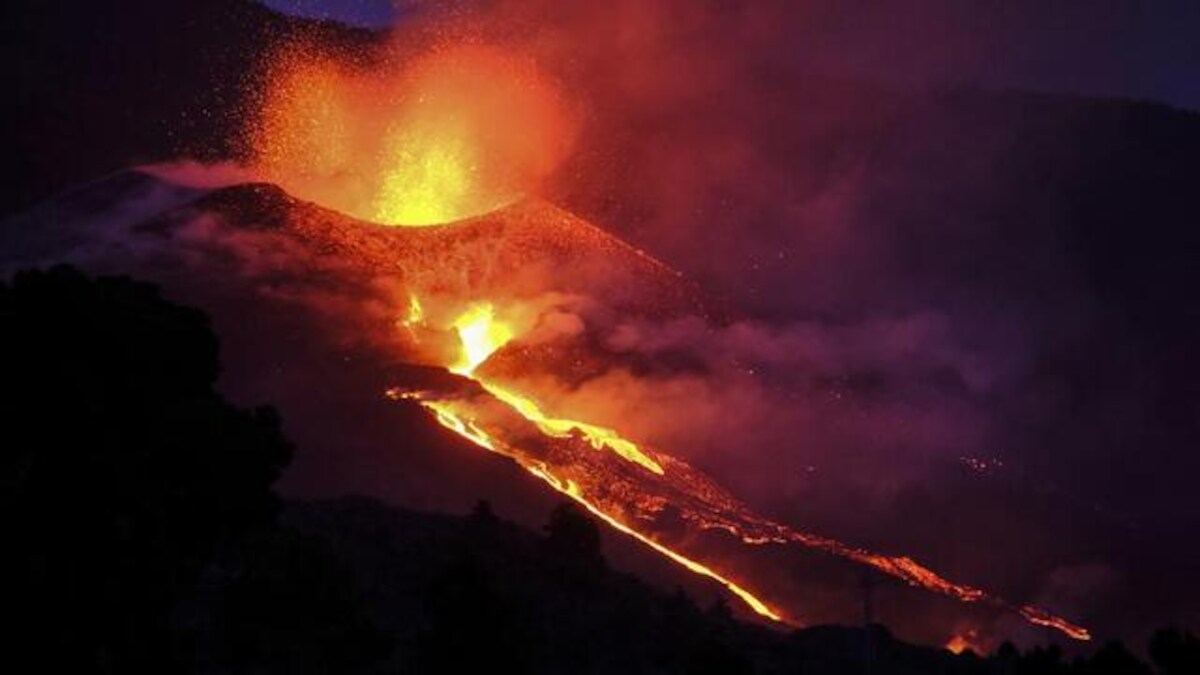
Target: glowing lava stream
481 335
659 480
468 430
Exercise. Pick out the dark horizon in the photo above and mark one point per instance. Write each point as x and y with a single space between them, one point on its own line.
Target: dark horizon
1107 48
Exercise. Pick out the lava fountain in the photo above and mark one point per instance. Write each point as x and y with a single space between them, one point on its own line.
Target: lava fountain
452 134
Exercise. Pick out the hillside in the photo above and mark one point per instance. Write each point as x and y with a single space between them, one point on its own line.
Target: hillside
956 324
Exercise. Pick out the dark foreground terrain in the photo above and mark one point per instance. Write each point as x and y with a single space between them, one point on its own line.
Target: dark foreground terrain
138 511
142 534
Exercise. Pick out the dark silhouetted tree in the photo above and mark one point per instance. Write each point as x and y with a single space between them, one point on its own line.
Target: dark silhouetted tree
1114 659
1041 661
719 612
1007 658
472 625
293 608
1175 651
712 654
711 651
121 469
574 539
482 515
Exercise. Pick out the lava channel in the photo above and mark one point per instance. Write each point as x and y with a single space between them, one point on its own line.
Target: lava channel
628 486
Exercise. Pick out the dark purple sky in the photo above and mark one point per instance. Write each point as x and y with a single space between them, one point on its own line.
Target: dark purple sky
1122 48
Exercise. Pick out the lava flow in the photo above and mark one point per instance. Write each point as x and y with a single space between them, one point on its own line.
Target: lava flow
628 486
481 335
462 131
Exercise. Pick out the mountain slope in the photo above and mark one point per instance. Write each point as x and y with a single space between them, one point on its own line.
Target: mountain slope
480 592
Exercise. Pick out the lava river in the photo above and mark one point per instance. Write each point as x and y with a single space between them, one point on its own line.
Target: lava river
629 486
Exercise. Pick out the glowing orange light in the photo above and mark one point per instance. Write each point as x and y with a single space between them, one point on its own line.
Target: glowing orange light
701 501
416 312
446 416
455 133
571 489
481 335
963 642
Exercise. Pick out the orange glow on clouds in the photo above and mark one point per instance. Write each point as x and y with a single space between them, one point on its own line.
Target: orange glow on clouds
445 136
624 498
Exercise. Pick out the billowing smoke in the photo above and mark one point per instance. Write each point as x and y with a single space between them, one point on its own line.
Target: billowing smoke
909 330
904 345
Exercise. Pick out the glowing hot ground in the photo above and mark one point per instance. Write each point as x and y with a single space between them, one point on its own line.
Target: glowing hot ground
627 486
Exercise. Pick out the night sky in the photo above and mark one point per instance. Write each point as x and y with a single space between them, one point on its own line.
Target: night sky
1119 48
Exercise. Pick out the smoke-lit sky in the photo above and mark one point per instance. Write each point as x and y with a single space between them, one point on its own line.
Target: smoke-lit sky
968 313
1121 48
953 324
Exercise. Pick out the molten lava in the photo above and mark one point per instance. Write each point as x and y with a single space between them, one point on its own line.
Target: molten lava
449 135
464 131
627 486
480 334
966 641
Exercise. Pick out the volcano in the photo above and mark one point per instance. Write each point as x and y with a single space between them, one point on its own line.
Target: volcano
478 322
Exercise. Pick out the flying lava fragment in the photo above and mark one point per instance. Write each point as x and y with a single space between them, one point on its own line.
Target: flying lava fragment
455 133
